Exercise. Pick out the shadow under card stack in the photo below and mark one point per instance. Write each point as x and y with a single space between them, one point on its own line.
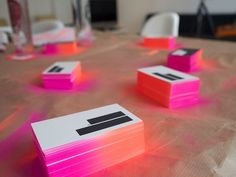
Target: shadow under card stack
186 60
62 75
83 143
168 87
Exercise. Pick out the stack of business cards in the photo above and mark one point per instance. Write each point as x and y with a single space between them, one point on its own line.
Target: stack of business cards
186 60
169 87
159 42
61 75
83 143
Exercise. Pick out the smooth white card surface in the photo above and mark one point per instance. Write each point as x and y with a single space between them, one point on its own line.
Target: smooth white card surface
167 74
81 126
61 68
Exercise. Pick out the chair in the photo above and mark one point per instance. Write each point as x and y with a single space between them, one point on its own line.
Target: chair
162 25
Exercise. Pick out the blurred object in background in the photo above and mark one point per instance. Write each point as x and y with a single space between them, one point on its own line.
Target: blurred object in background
162 25
3 22
226 31
22 35
82 17
53 36
44 17
3 41
46 26
4 27
201 12
3 38
104 15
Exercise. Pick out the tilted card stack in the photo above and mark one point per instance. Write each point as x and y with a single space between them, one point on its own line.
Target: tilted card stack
169 87
83 143
62 75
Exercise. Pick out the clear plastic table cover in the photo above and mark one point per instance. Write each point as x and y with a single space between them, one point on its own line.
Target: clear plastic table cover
194 141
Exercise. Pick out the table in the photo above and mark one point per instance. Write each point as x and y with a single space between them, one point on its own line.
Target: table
187 142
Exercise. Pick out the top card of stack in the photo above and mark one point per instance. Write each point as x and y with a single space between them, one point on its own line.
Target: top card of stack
70 141
170 87
61 75
186 60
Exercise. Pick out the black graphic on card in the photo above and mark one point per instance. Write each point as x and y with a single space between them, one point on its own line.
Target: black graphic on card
55 69
104 125
103 122
106 117
168 76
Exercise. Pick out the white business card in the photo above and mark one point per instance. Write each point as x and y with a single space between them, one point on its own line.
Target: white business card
61 68
167 74
82 126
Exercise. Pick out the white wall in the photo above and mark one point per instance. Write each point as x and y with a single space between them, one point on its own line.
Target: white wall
59 8
132 12
4 10
190 6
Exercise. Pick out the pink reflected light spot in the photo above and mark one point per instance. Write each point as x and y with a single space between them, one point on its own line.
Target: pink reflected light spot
19 133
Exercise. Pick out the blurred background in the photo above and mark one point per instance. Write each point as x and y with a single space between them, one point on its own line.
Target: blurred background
130 15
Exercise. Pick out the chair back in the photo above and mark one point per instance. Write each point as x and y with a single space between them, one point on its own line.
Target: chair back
162 25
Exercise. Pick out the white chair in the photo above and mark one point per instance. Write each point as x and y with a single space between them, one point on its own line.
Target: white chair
47 26
162 25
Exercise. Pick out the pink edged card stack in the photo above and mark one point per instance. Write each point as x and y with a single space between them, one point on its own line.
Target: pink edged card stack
83 143
62 75
186 60
168 87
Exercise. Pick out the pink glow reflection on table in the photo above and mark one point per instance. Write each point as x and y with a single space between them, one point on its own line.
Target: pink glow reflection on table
24 160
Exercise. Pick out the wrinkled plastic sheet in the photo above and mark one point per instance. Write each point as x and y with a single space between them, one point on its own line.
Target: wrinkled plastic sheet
196 141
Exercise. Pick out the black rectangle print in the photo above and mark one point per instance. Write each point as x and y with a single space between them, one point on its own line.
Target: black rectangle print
174 76
105 117
55 69
104 125
169 76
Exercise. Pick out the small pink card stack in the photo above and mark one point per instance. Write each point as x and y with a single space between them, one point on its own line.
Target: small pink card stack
83 143
186 60
159 42
168 87
61 75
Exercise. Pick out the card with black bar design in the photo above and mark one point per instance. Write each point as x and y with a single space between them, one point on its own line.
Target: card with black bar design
68 142
169 87
61 75
167 74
